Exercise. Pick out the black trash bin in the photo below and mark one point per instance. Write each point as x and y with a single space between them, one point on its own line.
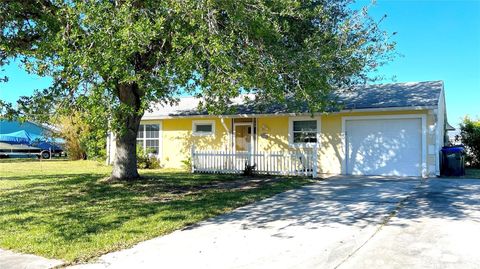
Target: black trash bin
452 161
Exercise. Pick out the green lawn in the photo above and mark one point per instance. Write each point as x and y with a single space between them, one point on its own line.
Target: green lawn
66 210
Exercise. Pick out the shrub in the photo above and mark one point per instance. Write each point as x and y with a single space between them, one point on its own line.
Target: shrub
145 159
82 139
470 137
187 164
71 130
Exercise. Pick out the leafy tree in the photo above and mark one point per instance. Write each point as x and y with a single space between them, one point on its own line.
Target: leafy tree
129 53
470 137
82 139
71 130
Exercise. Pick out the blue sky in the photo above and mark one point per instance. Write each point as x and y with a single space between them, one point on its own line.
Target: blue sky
439 40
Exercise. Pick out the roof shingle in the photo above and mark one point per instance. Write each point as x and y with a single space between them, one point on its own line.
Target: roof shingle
393 95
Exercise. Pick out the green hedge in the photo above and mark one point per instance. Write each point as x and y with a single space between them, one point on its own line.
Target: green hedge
470 135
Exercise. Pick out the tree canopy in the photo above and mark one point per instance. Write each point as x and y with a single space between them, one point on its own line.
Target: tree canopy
470 138
118 56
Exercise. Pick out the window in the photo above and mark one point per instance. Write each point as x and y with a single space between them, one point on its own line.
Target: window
203 127
152 131
304 131
148 138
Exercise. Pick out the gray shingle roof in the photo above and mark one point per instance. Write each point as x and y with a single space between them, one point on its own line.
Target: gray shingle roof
394 95
412 94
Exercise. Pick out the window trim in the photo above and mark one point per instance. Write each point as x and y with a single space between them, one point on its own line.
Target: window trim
308 144
203 122
144 138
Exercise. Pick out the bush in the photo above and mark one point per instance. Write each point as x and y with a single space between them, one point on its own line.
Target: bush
187 164
145 159
470 137
82 139
71 130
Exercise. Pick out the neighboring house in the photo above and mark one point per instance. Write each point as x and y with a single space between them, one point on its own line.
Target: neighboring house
454 137
389 129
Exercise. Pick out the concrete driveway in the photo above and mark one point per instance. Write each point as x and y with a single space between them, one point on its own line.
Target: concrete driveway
438 227
337 223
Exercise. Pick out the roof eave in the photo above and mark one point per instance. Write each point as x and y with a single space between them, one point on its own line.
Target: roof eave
358 110
449 127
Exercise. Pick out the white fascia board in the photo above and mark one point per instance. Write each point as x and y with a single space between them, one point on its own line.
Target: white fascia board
161 117
441 119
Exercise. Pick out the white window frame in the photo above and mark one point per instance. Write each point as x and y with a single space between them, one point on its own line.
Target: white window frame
144 138
203 122
290 131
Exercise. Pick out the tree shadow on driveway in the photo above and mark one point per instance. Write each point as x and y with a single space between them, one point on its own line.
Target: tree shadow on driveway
361 201
443 198
339 201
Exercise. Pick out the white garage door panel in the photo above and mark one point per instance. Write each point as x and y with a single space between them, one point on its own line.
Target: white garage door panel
384 147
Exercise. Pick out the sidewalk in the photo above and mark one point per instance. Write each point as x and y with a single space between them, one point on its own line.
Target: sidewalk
12 260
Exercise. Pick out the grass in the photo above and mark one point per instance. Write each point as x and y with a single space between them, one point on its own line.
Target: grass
66 210
472 173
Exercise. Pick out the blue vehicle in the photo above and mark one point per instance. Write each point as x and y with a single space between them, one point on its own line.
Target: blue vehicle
24 144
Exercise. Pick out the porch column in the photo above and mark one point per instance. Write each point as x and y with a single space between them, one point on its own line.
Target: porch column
315 161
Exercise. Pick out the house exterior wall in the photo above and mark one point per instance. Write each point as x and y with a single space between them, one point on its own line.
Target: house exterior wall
440 129
330 150
273 135
178 139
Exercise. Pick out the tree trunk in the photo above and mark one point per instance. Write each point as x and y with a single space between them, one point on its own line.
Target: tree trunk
125 161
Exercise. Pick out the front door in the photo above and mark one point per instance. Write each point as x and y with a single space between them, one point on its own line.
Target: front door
243 137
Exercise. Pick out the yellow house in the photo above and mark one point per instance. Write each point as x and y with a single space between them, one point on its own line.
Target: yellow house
390 129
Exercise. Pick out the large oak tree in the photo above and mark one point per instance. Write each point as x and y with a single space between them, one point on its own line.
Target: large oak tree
121 55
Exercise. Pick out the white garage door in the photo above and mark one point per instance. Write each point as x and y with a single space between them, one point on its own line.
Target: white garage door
384 147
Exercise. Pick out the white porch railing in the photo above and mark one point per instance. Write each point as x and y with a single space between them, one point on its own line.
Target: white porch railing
298 163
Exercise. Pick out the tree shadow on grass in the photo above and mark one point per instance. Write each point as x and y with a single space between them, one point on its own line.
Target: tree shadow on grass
73 209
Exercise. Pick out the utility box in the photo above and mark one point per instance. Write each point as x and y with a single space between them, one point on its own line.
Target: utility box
452 161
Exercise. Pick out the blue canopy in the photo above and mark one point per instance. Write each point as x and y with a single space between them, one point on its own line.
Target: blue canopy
20 137
26 138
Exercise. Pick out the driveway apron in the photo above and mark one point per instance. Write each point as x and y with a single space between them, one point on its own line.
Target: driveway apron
438 227
318 226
